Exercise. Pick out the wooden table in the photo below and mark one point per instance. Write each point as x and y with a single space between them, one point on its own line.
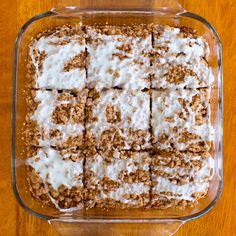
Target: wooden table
220 221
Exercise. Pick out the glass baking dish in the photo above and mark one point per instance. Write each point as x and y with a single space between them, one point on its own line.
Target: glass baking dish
139 222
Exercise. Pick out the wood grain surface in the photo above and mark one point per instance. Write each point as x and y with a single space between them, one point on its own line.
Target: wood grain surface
220 221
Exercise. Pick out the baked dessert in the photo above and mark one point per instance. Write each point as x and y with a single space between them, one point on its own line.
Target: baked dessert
181 119
118 57
56 176
118 117
57 59
117 179
180 59
179 178
56 118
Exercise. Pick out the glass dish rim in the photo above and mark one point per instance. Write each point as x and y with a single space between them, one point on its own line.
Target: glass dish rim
116 220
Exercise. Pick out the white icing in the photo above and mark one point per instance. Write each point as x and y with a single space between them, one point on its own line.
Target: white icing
53 75
134 108
47 104
56 171
131 74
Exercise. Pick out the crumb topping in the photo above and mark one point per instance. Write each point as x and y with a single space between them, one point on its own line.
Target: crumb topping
113 114
177 74
79 61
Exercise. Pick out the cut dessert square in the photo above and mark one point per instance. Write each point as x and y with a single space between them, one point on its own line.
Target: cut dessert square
56 118
117 179
180 120
180 59
119 57
118 119
56 176
180 178
57 59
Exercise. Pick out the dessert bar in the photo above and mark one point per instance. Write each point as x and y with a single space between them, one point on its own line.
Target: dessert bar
118 119
179 178
118 179
56 176
57 59
180 59
181 120
56 118
118 57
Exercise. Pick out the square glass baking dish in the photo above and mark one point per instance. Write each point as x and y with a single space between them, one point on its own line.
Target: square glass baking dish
86 222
